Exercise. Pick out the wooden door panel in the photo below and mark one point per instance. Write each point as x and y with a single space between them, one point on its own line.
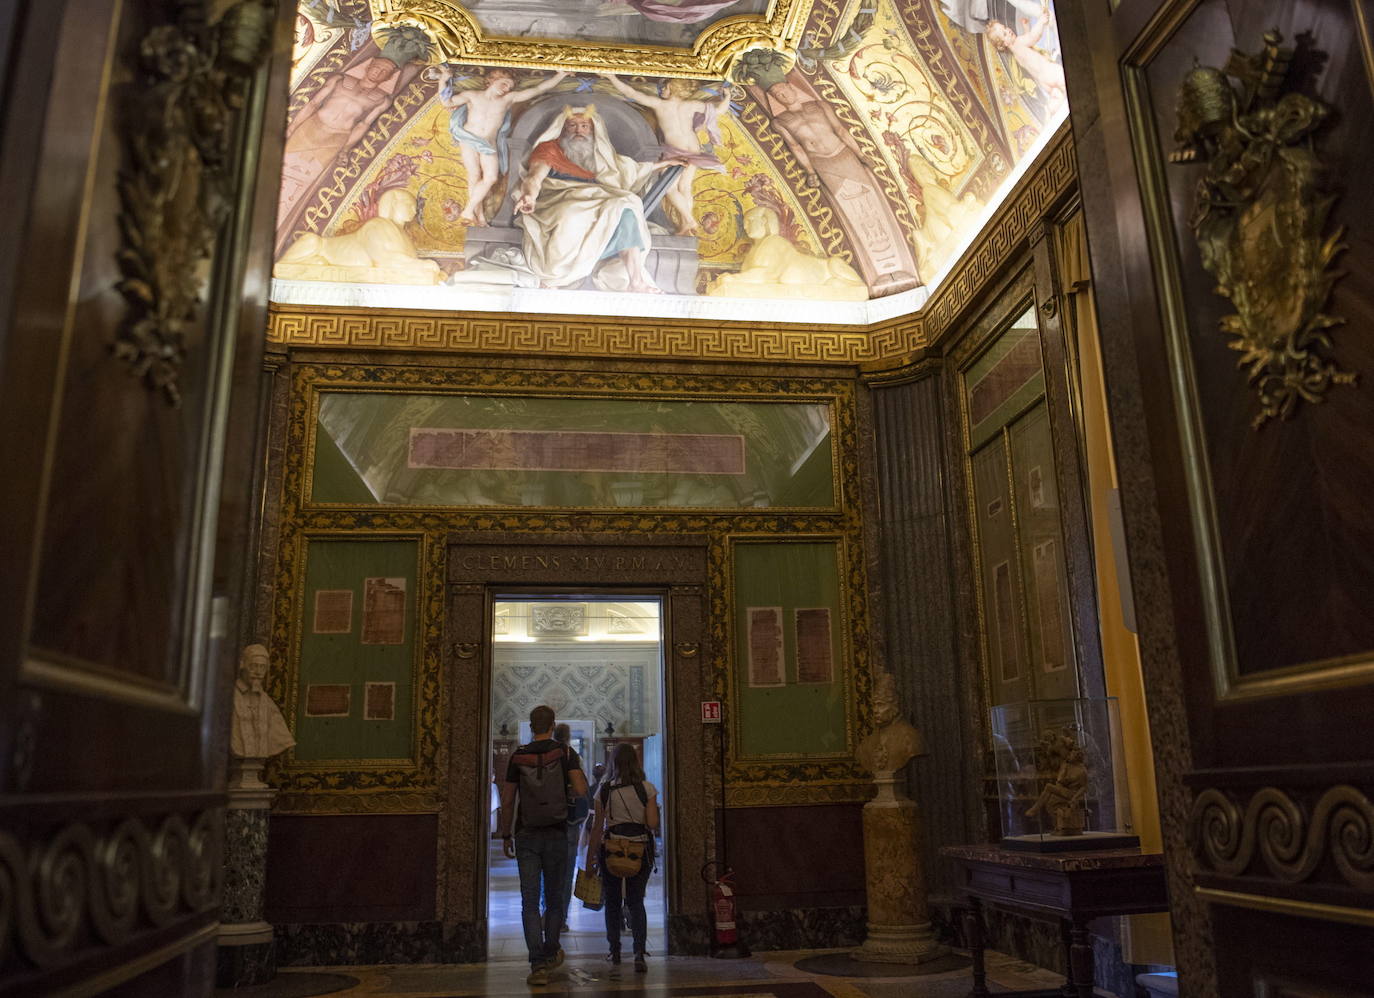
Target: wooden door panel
123 546
1252 551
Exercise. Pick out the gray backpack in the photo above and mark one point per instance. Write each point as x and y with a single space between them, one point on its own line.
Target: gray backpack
543 785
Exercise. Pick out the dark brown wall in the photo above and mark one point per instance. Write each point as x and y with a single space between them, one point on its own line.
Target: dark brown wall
352 868
796 857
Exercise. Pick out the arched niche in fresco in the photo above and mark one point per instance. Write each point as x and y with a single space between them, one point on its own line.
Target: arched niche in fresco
630 135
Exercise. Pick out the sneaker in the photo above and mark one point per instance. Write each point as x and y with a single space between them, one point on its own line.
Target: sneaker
614 958
565 928
539 976
557 960
641 967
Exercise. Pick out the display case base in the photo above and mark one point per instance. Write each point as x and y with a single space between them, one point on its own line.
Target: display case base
1071 843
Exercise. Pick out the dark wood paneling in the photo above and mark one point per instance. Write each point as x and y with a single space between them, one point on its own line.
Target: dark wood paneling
1296 545
1291 499
796 857
352 868
118 531
1292 957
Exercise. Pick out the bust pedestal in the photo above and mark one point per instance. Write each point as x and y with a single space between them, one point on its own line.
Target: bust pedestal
246 954
898 929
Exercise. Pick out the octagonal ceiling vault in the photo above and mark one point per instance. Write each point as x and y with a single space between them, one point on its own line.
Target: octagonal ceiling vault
784 160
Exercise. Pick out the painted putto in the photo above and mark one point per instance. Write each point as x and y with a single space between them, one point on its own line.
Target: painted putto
856 167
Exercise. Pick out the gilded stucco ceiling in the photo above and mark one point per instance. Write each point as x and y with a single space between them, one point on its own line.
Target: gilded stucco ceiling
792 160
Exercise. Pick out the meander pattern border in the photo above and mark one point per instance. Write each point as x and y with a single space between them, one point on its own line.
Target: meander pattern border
379 786
336 327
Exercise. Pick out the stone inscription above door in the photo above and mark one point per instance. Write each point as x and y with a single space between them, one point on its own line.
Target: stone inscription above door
542 560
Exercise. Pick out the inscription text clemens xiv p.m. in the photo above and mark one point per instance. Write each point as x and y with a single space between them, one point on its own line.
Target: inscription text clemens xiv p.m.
565 561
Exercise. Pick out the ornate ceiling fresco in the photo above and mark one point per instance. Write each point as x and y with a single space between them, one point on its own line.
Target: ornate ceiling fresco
809 160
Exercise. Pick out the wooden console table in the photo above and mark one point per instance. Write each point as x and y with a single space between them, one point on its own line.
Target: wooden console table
1072 888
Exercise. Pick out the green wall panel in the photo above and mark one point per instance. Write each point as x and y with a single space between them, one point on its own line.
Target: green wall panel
795 719
343 658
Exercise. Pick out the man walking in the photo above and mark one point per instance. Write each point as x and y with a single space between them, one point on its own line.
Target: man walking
542 776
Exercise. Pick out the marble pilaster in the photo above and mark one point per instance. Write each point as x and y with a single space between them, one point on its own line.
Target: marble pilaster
245 954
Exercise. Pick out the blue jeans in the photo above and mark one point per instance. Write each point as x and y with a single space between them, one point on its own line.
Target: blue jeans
542 857
632 901
574 837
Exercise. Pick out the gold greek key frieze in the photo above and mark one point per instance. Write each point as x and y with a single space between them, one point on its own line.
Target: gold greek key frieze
1291 840
1260 219
340 328
1023 210
317 326
457 36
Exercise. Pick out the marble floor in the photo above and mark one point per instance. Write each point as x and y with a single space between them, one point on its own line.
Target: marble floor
585 973
768 975
587 929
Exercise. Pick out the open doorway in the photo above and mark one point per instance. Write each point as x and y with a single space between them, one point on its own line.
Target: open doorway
598 661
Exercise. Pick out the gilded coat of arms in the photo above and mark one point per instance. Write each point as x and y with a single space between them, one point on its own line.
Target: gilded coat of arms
1260 218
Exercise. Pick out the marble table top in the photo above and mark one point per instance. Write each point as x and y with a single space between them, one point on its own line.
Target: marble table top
1058 862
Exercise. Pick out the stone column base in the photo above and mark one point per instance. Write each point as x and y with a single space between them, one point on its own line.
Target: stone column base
245 955
911 944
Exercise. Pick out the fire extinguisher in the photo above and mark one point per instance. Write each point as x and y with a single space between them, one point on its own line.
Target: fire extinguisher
725 936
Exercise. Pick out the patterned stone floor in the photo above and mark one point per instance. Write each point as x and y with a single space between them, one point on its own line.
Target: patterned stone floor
588 976
506 939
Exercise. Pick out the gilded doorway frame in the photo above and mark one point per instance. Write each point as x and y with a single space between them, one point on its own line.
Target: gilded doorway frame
483 564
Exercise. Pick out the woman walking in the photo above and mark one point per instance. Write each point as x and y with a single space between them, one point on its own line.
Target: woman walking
622 828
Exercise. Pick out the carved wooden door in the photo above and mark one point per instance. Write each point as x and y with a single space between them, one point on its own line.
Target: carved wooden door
1224 149
129 370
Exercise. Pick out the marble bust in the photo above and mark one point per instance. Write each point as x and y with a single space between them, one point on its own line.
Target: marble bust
893 742
259 731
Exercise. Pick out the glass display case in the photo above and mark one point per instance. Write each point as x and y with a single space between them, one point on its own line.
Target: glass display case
1061 775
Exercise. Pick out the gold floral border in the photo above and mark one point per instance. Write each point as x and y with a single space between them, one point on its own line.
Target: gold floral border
294 776
362 786
458 37
342 328
753 781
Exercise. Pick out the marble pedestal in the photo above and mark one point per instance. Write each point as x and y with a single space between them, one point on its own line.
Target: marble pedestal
246 954
899 930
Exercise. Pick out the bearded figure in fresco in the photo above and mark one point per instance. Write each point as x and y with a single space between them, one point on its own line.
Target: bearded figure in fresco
581 203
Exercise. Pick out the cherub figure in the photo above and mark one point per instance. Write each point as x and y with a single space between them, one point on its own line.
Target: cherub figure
1044 71
1063 797
480 122
680 115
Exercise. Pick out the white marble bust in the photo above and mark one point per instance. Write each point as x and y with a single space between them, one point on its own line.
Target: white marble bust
259 730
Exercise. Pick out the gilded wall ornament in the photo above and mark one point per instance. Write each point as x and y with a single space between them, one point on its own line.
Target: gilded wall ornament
177 178
457 35
1260 218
